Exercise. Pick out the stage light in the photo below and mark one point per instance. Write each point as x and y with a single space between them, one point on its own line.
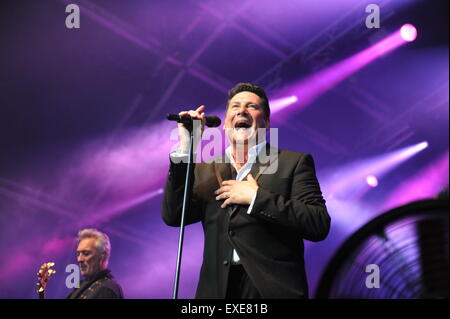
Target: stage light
426 183
372 181
310 88
283 102
351 181
413 150
422 146
408 32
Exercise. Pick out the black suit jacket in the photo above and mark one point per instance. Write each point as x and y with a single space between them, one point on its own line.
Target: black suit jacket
288 208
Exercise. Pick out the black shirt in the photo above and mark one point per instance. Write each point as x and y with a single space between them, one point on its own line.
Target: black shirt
102 286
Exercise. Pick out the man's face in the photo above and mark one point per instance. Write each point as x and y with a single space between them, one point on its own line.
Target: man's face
88 257
244 116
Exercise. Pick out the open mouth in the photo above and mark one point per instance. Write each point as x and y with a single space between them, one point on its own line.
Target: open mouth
242 124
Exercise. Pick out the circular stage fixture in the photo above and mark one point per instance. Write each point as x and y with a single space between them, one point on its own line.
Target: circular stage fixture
401 254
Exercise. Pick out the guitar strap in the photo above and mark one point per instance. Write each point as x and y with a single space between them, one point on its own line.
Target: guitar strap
85 294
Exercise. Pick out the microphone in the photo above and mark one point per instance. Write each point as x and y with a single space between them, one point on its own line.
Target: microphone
210 121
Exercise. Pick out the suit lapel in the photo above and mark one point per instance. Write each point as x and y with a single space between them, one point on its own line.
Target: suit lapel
262 164
225 171
222 171
264 161
267 161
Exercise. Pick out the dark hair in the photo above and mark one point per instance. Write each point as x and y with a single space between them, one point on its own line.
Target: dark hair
249 87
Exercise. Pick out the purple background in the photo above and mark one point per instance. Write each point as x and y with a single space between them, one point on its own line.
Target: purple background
84 143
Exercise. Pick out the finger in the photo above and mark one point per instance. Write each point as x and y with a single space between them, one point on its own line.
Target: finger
193 114
222 189
223 196
250 178
226 203
200 109
229 182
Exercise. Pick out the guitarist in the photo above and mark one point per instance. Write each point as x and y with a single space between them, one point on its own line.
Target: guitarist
93 252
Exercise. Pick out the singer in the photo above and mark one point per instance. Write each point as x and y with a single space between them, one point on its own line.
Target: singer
254 223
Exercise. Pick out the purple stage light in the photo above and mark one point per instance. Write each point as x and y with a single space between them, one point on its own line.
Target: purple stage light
344 187
351 181
113 209
307 90
372 181
425 184
281 103
408 32
415 149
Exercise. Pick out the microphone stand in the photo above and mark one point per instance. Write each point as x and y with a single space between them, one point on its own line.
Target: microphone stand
187 193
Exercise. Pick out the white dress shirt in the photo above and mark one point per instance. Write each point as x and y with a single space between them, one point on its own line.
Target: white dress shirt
241 174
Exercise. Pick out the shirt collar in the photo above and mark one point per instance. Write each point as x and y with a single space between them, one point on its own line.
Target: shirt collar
252 152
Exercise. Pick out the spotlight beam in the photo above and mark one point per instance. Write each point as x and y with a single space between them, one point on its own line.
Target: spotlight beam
351 179
317 84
